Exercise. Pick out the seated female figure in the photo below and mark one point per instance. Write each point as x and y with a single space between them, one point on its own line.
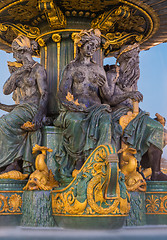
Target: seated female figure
29 86
85 121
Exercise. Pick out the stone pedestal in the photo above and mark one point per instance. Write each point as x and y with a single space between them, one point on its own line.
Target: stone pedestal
37 210
52 138
137 215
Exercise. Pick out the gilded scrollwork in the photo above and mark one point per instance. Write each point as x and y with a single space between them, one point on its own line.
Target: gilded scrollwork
31 32
9 31
10 204
7 34
120 19
156 204
3 28
118 39
3 203
85 194
163 204
23 12
153 204
93 6
122 24
108 20
133 22
54 15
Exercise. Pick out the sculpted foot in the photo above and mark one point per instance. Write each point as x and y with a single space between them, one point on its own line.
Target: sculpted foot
159 176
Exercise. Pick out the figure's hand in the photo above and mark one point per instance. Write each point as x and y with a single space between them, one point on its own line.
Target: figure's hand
24 68
136 95
27 68
18 73
101 80
38 120
75 108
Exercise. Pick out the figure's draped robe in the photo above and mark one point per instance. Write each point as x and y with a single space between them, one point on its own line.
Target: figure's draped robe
140 133
15 142
84 131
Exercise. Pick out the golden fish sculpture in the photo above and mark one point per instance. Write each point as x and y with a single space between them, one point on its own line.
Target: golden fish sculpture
41 178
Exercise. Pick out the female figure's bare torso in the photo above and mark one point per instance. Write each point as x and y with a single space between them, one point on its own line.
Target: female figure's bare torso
85 83
27 90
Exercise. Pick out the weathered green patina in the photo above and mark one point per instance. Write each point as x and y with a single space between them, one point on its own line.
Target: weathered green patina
16 142
139 134
82 133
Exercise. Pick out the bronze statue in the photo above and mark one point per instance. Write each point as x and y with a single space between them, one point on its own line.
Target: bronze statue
29 87
91 106
84 116
143 133
42 178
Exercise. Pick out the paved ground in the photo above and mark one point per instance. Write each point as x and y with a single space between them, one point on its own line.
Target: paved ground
142 233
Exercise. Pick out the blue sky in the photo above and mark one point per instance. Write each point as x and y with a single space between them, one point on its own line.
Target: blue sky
152 83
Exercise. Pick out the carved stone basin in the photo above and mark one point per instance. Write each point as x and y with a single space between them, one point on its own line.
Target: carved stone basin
96 198
11 201
90 222
156 203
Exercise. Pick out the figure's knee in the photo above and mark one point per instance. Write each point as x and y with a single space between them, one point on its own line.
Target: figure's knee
145 163
74 118
105 120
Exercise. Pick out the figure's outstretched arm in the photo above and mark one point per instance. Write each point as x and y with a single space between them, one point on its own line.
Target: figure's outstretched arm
65 84
114 99
117 99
